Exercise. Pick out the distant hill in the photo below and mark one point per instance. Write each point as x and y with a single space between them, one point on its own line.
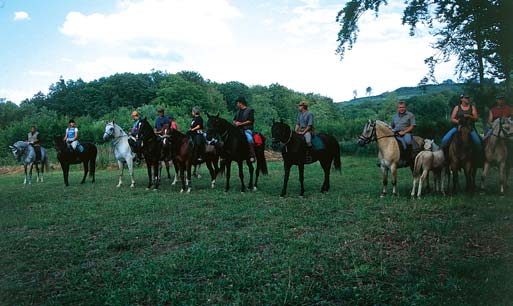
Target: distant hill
404 93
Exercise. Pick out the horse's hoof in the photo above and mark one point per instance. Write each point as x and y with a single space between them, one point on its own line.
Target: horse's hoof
155 189
132 186
255 188
383 195
147 188
118 185
213 186
181 190
188 190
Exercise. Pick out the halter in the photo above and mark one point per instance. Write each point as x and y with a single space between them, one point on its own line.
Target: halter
501 130
373 135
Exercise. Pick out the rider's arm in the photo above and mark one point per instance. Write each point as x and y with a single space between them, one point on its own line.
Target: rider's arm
407 130
76 135
296 129
490 117
307 129
474 113
453 115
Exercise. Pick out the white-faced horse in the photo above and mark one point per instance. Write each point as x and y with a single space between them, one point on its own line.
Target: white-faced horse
432 158
122 150
496 150
389 154
24 152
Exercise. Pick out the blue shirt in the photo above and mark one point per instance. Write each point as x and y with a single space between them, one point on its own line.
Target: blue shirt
160 121
71 132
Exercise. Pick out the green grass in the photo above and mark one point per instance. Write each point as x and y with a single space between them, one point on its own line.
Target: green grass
96 244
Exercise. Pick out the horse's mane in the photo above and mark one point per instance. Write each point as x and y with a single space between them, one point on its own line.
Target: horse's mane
21 144
146 128
383 123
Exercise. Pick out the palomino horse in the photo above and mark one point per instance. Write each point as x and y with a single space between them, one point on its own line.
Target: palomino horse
496 150
24 152
293 152
389 154
431 159
122 150
461 155
235 148
67 157
152 152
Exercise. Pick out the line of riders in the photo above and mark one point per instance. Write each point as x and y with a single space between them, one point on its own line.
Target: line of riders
403 123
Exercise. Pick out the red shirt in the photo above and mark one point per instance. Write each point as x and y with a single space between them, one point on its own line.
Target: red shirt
501 111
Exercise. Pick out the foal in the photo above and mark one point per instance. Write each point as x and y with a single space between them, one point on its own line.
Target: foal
430 159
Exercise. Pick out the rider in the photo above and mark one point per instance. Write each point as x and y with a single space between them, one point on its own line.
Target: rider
196 133
161 121
305 125
403 122
463 110
244 120
134 136
71 135
500 110
33 140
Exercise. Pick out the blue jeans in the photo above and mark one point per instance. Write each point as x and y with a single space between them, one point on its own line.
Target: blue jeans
473 134
249 136
406 140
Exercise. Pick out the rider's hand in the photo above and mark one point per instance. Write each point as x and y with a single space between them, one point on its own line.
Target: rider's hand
401 133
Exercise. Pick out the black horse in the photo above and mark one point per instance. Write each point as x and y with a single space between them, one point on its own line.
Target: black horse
152 152
235 147
66 157
294 153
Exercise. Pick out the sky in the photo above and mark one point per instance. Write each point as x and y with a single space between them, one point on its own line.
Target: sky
290 42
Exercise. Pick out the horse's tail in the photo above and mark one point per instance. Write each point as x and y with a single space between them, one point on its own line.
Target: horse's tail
336 155
417 166
260 158
92 162
46 163
222 166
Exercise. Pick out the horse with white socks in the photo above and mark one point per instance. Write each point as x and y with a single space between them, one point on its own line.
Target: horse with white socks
122 150
24 152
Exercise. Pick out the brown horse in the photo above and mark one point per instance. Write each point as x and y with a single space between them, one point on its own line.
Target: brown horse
178 148
496 150
389 154
461 155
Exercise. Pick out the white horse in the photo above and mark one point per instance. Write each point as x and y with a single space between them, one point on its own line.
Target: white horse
431 159
24 152
122 150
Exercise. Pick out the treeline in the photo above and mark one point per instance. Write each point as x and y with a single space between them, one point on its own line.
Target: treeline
93 103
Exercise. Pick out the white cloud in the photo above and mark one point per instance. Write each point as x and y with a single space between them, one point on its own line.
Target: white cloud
193 22
21 16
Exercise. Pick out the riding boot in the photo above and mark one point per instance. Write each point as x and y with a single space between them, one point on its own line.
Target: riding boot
410 155
308 155
252 154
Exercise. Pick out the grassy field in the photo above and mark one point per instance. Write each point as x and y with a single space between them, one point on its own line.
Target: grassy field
96 244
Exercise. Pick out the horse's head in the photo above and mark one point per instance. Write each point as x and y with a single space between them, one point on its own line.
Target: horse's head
280 133
216 125
18 149
109 131
60 144
507 126
145 129
428 144
464 129
166 136
368 134
503 127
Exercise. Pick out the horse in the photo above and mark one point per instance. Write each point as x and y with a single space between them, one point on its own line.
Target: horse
389 154
152 152
496 150
431 159
122 150
235 147
24 152
460 154
293 149
178 147
67 157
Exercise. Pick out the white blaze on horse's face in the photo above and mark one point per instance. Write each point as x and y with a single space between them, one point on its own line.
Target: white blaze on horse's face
109 131
428 144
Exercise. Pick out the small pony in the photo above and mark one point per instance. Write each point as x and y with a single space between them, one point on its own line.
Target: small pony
431 159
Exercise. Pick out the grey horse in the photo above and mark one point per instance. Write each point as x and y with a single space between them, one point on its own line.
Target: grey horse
24 152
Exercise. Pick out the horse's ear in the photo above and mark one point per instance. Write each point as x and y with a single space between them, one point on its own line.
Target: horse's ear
11 147
208 115
217 115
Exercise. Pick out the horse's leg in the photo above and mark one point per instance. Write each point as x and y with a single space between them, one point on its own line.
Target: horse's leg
393 169
188 181
30 172
65 173
121 168
25 181
251 172
130 165
326 167
177 174
241 176
384 171
502 175
212 172
150 176
423 177
37 171
301 171
86 170
156 166
286 167
228 165
182 176
414 183
167 169
486 167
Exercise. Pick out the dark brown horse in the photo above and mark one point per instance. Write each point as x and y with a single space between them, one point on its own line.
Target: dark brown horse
461 155
178 148
293 152
67 157
152 152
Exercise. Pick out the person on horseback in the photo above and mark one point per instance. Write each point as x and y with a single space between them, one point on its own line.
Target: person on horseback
463 110
33 140
403 123
71 136
134 140
196 134
500 110
244 120
305 126
160 121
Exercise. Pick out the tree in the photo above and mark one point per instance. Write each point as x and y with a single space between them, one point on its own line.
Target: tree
355 93
368 91
474 31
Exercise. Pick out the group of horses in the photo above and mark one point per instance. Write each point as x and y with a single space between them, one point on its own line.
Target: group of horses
461 153
227 143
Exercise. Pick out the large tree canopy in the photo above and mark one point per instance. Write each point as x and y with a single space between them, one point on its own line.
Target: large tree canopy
479 33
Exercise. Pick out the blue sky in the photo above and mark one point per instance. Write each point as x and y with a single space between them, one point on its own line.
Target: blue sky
258 43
